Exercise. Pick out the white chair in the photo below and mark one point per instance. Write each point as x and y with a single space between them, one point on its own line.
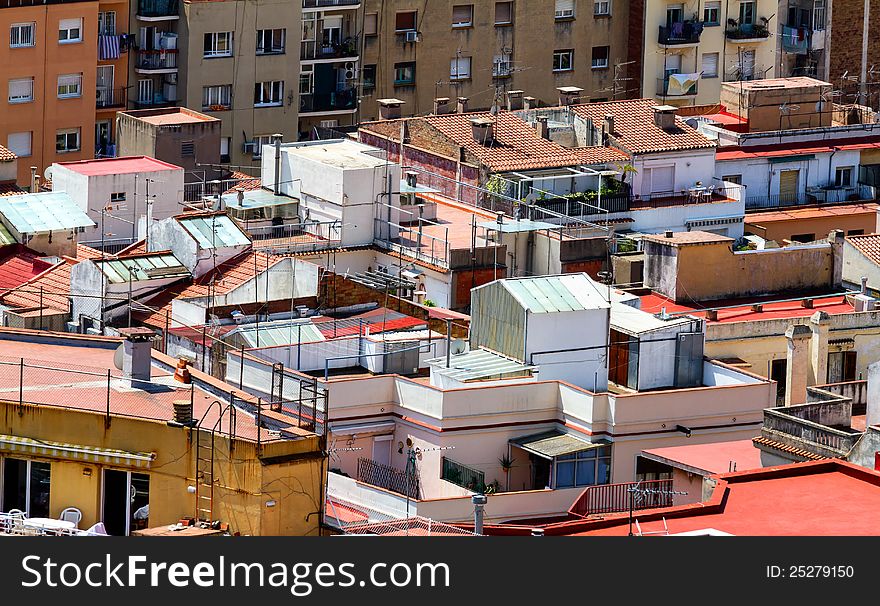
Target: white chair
12 522
71 514
96 530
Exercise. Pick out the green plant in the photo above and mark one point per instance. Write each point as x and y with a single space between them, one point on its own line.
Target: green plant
626 169
506 463
429 303
492 487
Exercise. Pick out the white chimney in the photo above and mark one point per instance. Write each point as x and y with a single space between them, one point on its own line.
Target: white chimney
530 103
569 95
136 353
277 139
33 179
389 109
462 105
514 100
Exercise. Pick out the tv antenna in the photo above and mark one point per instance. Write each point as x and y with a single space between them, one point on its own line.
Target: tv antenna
414 453
637 492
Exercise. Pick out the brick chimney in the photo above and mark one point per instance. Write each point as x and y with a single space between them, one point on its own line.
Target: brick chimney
569 95
542 126
514 100
441 106
797 363
389 109
483 130
462 105
664 116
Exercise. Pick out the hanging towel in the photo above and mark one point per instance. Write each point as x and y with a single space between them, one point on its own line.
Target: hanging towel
108 47
680 84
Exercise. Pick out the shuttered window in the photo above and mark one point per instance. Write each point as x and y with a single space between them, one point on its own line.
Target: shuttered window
564 9
710 65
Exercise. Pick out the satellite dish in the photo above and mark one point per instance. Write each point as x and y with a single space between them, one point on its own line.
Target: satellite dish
47 173
457 346
117 356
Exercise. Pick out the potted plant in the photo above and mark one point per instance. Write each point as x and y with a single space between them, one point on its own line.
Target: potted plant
506 463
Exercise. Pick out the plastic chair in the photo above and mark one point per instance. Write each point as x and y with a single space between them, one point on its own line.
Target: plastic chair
71 514
14 521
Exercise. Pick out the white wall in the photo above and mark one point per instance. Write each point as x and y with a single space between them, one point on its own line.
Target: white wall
573 330
690 167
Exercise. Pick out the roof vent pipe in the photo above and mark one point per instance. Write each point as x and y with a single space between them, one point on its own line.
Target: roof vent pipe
479 501
33 179
183 411
864 285
669 234
277 138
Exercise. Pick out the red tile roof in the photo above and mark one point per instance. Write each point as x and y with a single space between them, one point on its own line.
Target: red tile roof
87 252
139 247
634 128
868 245
6 155
9 188
54 284
18 265
814 212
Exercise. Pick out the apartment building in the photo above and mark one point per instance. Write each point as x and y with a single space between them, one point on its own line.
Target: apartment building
111 82
474 52
803 39
690 48
226 58
48 58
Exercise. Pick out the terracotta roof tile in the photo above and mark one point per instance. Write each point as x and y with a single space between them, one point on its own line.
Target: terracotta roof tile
19 265
6 155
55 285
799 452
87 252
9 188
635 131
868 245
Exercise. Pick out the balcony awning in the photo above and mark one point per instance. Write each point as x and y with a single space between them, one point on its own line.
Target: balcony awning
59 450
551 444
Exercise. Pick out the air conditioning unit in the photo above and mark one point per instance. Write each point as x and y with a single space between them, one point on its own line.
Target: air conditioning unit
350 70
248 147
412 36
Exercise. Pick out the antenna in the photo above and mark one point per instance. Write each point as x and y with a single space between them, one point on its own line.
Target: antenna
637 492
414 452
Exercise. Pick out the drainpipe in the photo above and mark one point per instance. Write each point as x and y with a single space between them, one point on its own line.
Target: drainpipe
277 138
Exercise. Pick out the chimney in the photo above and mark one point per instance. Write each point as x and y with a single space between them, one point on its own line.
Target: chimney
532 103
664 116
441 105
797 361
864 289
462 105
873 396
183 412
33 179
514 100
569 95
479 501
483 130
669 234
609 124
542 127
36 183
239 195
389 109
181 373
136 353
820 322
277 139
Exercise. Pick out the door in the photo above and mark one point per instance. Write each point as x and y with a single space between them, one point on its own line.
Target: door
125 501
26 486
747 64
102 138
674 14
778 373
788 185
104 85
332 32
382 449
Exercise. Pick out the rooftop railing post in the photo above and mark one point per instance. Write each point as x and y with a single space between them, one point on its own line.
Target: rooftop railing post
21 384
107 418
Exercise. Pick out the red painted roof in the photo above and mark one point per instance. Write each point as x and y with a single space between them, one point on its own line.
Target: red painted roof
741 308
711 458
18 265
797 148
815 212
55 285
119 166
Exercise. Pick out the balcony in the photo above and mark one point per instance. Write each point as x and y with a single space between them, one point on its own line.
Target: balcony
377 474
821 428
665 90
462 475
156 61
615 498
347 50
157 10
331 4
747 32
684 33
337 101
813 196
109 97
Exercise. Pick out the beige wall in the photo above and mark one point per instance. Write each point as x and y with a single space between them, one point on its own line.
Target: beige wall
779 230
533 37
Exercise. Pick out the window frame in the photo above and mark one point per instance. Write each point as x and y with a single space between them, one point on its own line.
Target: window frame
364 81
102 23
75 78
11 147
841 170
259 141
259 87
31 26
589 457
605 13
374 21
208 91
706 74
510 8
716 7
463 24
607 64
456 64
28 492
69 40
273 50
569 52
214 38
411 65
564 14
18 101
66 132
415 22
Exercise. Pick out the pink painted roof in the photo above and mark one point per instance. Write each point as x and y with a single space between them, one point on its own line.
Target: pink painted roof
119 166
711 458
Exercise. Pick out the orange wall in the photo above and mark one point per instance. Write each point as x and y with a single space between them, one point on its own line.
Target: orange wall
821 226
45 62
120 65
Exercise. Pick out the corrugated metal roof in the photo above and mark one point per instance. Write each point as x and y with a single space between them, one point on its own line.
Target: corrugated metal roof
43 212
553 294
635 321
147 267
479 364
550 444
279 332
214 231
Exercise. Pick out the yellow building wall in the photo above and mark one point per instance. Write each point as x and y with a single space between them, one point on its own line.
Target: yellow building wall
821 226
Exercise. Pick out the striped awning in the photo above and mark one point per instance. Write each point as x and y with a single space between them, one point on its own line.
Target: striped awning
59 450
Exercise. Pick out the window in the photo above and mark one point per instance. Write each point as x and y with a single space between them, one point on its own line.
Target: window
855 232
371 24
26 486
69 85
329 123
600 57
601 8
460 68
259 142
819 14
22 34
405 22
20 143
404 73
21 90
188 149
710 65
803 238
462 15
218 44
268 93
563 60
843 176
747 12
368 76
217 97
584 468
712 13
564 9
225 145
125 504
67 140
270 41
70 30
307 79
503 13
118 196
107 23
737 179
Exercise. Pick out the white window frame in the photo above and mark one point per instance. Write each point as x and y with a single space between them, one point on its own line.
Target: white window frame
820 14
271 102
273 50
564 9
599 63
307 79
107 23
509 21
561 54
214 37
67 132
71 85
460 68
14 148
849 171
15 31
66 30
713 5
601 8
15 99
461 24
709 74
259 142
216 93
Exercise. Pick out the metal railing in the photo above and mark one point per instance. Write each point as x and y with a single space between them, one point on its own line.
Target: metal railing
297 237
823 195
157 8
195 191
686 32
615 498
332 101
315 50
412 242
747 31
110 97
462 475
157 59
329 3
390 478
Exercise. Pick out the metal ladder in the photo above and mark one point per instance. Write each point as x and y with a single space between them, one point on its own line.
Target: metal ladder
204 452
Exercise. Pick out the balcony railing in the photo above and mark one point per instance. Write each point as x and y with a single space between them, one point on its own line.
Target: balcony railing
329 3
462 475
313 50
615 498
820 195
809 435
663 89
157 8
157 59
110 97
390 478
747 31
327 102
681 33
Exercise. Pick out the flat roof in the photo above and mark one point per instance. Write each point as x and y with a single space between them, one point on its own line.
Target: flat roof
516 226
279 332
815 212
635 321
792 82
171 116
479 364
687 237
43 212
256 198
340 153
119 166
740 310
709 459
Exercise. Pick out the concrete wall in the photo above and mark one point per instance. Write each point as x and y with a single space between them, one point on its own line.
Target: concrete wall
578 338
690 167
856 266
139 138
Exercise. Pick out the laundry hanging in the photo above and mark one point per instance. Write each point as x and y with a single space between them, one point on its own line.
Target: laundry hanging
680 84
108 47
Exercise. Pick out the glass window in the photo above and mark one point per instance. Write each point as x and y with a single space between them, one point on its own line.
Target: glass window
712 13
710 65
563 60
21 90
69 85
747 13
107 23
20 143
271 41
306 79
462 15
819 14
564 9
126 498
259 142
218 44
405 22
503 13
268 93
460 68
843 176
371 24
368 77
217 97
602 8
404 73
565 474
26 486
67 140
584 468
600 57
70 30
22 34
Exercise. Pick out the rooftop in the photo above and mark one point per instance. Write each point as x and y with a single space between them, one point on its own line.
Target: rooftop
554 294
213 230
6 155
118 166
796 148
18 265
792 82
339 153
685 238
740 310
709 459
170 116
814 212
636 321
868 245
149 266
479 365
43 212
